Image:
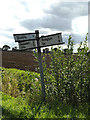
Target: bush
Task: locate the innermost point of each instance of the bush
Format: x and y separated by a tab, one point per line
20	83
67	77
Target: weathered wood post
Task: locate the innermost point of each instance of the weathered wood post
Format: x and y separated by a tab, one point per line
40	66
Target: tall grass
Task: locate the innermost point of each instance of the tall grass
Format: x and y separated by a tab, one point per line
14	108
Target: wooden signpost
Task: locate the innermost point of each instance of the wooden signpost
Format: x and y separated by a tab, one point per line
32	41
40	65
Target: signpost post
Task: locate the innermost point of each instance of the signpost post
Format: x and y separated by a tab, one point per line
40	65
32	41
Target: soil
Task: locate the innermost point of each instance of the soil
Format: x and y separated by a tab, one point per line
20	60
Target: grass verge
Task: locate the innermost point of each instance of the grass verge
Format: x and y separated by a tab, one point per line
20	108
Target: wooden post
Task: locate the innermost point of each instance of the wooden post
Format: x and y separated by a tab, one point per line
40	66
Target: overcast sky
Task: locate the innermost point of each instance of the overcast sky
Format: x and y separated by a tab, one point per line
47	16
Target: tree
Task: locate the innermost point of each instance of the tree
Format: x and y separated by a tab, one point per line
6	47
14	49
46	50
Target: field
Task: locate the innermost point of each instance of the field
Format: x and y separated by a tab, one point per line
19	60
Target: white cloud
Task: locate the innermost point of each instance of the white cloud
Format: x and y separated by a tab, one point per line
5	41
74	0
80	25
49	16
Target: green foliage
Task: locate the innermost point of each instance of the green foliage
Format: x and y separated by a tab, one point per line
20	83
67	77
19	108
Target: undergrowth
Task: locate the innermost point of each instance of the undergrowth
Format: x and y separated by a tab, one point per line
13	108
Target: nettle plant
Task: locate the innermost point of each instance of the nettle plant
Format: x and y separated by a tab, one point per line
67	77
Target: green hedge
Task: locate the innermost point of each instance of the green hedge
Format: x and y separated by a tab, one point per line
67	78
20	83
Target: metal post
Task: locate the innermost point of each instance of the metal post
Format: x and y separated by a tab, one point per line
40	66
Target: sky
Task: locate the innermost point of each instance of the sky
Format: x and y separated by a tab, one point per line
47	16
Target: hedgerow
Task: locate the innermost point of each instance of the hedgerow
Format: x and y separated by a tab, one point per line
20	83
67	77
